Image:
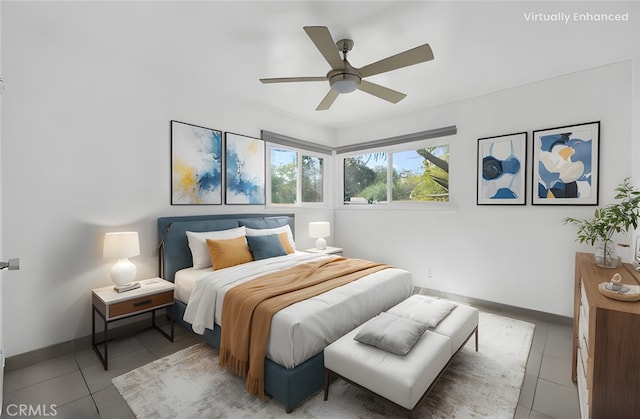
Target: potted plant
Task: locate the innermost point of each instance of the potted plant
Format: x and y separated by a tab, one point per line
614	218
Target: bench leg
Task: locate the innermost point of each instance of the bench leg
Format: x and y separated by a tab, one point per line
326	384
476	339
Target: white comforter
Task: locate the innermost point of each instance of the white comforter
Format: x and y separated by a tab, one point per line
304	329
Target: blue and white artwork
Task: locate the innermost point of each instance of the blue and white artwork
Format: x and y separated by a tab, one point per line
196	164
565	165
245	170
501	169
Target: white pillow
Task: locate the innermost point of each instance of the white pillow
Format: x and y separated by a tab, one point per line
423	309
198	244
268	231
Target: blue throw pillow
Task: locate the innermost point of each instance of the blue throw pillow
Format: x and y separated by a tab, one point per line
263	247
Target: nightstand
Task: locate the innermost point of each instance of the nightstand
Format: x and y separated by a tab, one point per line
327	251
153	294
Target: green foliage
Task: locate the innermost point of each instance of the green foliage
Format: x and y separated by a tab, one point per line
283	184
614	218
312	178
356	177
430	185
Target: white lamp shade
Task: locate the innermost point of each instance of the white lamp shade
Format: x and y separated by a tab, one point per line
121	245
319	229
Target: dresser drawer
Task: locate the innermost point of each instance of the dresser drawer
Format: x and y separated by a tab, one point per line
583	390
583	358
140	304
583	329
583	300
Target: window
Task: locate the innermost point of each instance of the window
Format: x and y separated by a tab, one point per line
421	175
365	178
284	176
312	179
398	175
296	174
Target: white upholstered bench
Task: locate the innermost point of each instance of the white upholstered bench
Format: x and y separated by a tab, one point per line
402	379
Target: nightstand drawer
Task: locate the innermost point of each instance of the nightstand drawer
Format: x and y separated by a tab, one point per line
140	304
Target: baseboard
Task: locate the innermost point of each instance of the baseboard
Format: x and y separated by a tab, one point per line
497	307
84	342
79	344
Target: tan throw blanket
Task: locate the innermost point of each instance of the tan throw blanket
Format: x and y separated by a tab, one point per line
248	308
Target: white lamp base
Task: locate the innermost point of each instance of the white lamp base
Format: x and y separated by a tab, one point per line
123	272
321	244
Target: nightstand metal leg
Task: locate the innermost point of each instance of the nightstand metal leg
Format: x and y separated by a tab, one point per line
162	332
104	358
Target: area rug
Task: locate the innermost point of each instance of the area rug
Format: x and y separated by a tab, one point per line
190	384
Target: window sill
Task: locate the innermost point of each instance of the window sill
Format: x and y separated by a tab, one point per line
441	207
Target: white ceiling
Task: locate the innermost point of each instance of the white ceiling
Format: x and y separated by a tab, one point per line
479	47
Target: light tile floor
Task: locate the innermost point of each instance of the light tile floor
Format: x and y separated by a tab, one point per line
80	387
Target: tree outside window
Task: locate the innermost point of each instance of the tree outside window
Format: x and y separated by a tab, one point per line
416	175
286	177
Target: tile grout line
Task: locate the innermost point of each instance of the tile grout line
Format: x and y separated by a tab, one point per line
84	380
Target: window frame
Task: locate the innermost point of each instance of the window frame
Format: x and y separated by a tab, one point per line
326	177
448	206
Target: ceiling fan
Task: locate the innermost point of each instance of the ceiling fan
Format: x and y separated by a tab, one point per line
344	78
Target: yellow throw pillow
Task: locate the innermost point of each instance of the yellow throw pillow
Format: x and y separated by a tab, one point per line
284	240
230	252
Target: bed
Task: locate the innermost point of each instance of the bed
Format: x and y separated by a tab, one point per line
294	365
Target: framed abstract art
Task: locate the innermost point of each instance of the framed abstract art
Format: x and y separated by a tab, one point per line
502	173
245	170
196	165
565	165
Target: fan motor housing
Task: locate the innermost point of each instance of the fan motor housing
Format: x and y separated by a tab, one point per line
345	80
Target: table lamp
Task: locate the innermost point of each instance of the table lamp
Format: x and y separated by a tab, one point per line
319	230
121	246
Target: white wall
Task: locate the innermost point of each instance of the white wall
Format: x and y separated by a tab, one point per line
518	255
1	248
635	122
85	151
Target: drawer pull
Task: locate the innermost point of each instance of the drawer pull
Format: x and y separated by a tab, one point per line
142	303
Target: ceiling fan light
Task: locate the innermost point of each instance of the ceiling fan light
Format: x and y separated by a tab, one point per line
345	83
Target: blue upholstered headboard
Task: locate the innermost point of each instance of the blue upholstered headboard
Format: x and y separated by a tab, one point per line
172	237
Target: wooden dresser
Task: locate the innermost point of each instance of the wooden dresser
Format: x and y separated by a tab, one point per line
606	344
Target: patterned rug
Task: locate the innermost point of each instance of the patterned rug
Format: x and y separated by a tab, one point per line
190	384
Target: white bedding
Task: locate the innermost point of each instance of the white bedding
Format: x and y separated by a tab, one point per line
301	330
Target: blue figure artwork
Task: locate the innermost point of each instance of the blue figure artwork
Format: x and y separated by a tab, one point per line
564	168
501	173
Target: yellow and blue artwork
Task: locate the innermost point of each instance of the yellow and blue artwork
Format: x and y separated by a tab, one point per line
566	165
196	165
245	170
502	164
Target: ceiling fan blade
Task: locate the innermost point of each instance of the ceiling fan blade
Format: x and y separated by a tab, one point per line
328	100
404	59
382	92
321	37
292	79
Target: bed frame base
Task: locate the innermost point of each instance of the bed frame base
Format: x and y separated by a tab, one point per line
289	386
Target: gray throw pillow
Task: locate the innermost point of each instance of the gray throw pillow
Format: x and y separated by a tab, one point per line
391	333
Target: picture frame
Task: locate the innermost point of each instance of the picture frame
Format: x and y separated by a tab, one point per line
245	170
196	164
502	170
565	165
